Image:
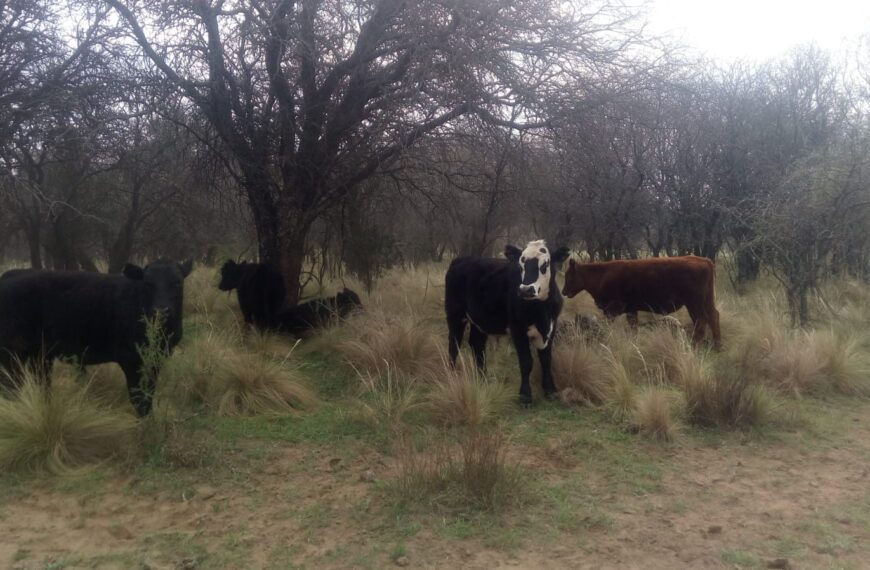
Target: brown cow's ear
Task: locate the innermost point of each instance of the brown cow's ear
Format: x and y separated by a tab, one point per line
134	272
512	252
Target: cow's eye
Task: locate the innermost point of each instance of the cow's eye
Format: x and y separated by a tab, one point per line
544	270
522	260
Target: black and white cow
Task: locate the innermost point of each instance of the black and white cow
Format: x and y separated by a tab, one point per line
516	296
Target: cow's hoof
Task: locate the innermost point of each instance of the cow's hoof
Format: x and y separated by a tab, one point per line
552	396
526	401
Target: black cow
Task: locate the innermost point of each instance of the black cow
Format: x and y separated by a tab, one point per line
260	290
516	296
316	313
93	317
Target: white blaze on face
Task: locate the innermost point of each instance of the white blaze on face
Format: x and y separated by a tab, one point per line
535	266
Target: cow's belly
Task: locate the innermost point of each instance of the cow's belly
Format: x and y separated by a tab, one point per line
659	307
488	323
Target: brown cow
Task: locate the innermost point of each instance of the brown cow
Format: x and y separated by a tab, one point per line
659	285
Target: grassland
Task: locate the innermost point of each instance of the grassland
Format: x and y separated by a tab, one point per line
360	448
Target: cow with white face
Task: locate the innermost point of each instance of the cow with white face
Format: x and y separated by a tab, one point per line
516	296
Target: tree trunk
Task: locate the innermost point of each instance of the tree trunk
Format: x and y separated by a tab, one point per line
34	244
282	244
748	266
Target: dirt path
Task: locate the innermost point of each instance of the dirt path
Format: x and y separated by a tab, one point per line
735	505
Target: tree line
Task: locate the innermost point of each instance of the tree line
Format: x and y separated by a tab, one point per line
324	136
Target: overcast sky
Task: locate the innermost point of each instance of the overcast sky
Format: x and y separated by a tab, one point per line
760	29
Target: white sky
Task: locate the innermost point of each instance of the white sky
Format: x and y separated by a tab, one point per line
760	29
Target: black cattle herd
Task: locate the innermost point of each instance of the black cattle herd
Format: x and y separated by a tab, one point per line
96	318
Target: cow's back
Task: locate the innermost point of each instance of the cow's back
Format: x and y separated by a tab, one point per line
69	313
662	285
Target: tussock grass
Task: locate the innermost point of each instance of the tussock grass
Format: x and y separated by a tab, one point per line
727	397
402	344
387	399
474	474
204	303
653	416
250	385
61	429
214	371
580	372
462	396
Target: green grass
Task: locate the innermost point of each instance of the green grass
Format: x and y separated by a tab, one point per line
740	559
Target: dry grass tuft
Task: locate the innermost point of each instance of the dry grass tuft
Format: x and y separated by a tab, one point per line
61	429
213	371
250	385
653	415
727	397
403	345
580	372
473	474
386	399
462	396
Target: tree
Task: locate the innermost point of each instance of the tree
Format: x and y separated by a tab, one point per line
312	98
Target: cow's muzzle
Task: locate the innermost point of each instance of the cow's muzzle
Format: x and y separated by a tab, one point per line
527	292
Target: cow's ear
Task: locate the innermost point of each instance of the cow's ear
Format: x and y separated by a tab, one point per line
560	255
512	252
134	272
186	267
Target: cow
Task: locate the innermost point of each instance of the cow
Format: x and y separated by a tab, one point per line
260	290
516	296
313	314
659	285
92	317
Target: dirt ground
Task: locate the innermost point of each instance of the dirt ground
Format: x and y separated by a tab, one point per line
733	502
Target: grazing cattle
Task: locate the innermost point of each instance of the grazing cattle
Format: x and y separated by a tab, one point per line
516	296
313	314
260	290
93	317
660	285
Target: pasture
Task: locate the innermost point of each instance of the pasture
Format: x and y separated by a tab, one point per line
360	448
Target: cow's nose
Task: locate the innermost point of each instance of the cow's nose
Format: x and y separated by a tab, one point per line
527	291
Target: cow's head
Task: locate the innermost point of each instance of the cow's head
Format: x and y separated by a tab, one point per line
164	289
231	275
347	301
573	280
536	266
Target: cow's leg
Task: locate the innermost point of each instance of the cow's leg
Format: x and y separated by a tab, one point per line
713	321
545	357
631	316
699	323
140	396
455	332
477	341
524	355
